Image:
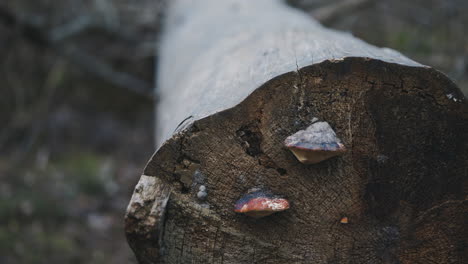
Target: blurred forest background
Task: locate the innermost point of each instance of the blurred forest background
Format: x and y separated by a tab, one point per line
76	108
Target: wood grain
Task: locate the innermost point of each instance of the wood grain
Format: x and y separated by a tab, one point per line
236	79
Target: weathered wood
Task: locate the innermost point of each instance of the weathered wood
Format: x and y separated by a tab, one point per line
216	53
238	77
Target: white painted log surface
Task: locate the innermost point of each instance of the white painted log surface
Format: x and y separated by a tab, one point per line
215	53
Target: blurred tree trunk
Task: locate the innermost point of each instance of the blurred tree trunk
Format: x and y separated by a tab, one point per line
238	77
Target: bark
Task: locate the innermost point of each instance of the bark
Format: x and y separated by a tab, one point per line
238	77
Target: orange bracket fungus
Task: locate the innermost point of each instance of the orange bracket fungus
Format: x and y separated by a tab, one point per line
259	203
316	143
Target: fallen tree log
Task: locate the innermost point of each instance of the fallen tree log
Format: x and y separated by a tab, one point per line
236	78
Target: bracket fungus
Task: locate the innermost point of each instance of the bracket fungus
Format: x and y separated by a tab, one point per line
260	203
314	144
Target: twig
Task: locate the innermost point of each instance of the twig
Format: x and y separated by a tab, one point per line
41	109
36	34
70	29
103	70
329	14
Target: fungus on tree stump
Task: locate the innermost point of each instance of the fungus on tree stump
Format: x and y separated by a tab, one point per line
314	144
235	79
259	204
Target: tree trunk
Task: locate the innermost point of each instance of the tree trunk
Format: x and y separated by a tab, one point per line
238	77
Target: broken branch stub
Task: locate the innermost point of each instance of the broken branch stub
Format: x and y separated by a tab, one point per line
235	79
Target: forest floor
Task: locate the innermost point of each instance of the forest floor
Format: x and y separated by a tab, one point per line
75	137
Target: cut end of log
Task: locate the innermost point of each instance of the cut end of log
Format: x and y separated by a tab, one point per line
316	143
385	117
